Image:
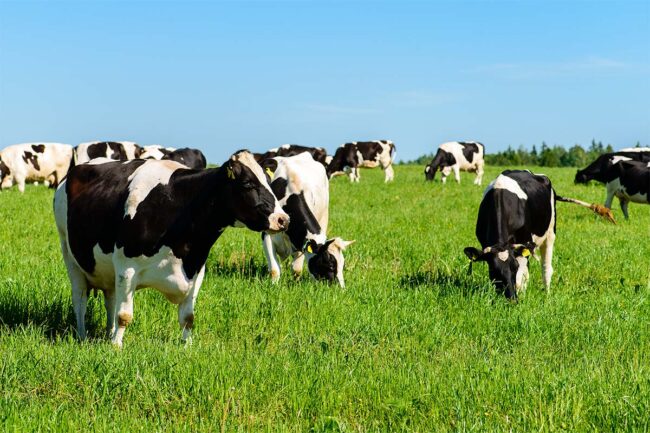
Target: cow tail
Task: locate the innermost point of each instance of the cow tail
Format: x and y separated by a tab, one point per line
393	149
599	209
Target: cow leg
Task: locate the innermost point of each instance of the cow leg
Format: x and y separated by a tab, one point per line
624	203
109	304
298	263
356	174
547	260
21	183
610	197
271	257
79	300
456	169
479	174
389	173
124	291
186	308
351	175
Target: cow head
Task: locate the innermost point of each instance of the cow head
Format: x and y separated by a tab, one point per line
251	199
581	177
325	261
507	264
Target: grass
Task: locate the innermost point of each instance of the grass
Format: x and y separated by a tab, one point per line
413	343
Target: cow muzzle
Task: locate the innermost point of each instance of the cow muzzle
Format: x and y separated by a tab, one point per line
278	222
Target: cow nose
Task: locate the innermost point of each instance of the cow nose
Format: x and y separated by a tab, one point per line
283	222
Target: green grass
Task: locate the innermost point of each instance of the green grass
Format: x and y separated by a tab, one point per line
412	344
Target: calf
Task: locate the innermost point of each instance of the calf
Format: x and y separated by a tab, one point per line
146	223
597	170
629	181
370	154
302	188
115	150
34	162
317	153
456	156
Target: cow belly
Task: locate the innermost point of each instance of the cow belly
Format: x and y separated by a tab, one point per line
634	198
103	276
369	164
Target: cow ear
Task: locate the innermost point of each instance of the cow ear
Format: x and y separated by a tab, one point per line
341	244
473	254
524	250
310	246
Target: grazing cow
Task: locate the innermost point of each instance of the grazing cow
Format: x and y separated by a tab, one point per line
34	162
517	215
597	170
630	182
317	153
302	188
146	223
370	154
192	158
155	151
115	150
456	156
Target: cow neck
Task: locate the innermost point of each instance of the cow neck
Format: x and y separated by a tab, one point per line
304	225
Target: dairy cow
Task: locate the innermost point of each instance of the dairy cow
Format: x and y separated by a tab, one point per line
597	170
350	156
629	181
456	156
115	150
517	216
302	188
317	153
146	223
34	162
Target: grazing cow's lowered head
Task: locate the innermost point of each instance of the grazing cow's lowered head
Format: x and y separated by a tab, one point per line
250	197
325	261
441	160
507	264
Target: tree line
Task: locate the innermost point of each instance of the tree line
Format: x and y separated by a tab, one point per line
546	156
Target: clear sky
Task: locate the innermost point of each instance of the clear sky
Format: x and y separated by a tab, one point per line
221	76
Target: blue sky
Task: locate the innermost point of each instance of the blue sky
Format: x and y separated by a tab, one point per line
227	75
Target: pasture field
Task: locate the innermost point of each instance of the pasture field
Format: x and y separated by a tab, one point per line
413	343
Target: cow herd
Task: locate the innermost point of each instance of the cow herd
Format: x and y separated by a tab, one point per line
131	216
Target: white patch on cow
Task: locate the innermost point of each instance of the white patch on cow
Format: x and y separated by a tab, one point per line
618	158
521	278
635	149
328	159
286	146
427	169
503	255
247	159
144	179
274	150
507	183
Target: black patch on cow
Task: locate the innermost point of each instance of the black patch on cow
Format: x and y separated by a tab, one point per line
469	149
634	176
318	153
98	150
192	158
32	159
303	220
345	156
38	148
279	187
4	170
187	215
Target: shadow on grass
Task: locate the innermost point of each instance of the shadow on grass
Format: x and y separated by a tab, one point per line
55	318
248	268
444	283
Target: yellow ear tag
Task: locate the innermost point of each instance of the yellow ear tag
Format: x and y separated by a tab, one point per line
269	172
525	252
230	173
309	250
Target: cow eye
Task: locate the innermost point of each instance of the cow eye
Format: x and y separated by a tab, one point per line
248	185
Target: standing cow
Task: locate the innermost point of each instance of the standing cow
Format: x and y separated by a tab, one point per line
597	170
629	181
317	153
517	215
115	150
34	162
146	223
370	154
302	188
456	156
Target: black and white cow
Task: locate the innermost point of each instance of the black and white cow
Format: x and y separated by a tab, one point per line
302	188
597	170
370	154
317	153
146	223
629	181
456	156
115	150
192	158
155	151
34	162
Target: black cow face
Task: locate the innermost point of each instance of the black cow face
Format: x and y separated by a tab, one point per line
507	265
325	262
581	177
253	203
429	172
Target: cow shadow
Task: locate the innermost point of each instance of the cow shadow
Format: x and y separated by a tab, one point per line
55	319
248	269
442	282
